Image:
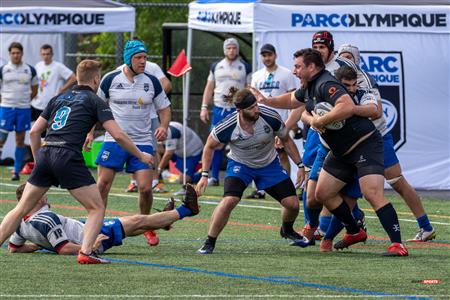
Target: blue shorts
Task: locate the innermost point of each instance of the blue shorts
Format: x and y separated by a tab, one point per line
220	113
352	189
264	177
114	230
113	156
390	158
311	146
191	163
15	119
318	163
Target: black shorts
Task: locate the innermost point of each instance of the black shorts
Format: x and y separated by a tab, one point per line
367	158
60	167
234	186
35	113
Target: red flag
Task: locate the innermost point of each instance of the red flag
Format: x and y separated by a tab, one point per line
180	66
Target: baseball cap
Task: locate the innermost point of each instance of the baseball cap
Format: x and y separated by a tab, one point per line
267	48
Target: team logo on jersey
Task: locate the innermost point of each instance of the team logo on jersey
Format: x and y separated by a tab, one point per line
387	69
105	155
266	129
236	169
146	87
119	86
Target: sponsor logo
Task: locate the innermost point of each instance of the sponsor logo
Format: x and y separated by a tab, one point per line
220	17
105	155
387	70
236	169
119	86
369	20
40	19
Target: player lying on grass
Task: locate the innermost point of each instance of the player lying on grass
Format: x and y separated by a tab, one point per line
46	229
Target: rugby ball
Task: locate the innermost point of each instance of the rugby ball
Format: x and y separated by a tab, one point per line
321	109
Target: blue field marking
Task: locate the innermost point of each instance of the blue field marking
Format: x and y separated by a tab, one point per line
265	279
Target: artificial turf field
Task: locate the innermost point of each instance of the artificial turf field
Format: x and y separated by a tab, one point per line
250	260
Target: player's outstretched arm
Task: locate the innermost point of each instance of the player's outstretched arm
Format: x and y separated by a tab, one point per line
25	248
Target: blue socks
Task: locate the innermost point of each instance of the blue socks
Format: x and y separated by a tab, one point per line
424	223
216	163
324	222
334	229
18	159
314	214
305	209
183	211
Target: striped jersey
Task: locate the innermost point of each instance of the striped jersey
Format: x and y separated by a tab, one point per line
175	138
227	75
48	230
16	82
255	150
132	103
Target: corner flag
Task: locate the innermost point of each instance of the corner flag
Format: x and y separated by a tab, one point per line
180	66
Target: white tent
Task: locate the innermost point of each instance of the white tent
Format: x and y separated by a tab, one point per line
405	45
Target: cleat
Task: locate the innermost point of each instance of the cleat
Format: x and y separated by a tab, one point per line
152	238
206	249
90	259
396	249
361	222
423	236
170	205
326	245
15	177
190	199
27	168
296	238
132	188
319	234
159	188
213	182
308	233
256	195
351	239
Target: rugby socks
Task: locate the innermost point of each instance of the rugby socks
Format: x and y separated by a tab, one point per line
334	228
183	211
424	223
356	212
288	226
18	159
305	209
211	241
314	214
389	220
342	212
216	163
324	223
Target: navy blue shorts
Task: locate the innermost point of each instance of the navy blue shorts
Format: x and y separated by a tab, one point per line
62	167
15	119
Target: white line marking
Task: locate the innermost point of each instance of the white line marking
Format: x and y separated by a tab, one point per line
304	296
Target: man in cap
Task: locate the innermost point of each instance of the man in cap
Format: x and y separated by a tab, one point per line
273	80
133	95
225	77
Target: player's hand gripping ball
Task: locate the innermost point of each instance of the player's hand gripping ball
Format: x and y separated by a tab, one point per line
321	109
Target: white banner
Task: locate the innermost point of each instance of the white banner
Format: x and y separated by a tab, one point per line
363	18
414	77
221	17
67	19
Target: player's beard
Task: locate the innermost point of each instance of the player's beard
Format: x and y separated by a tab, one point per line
249	117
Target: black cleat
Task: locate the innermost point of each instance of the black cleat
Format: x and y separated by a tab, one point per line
15	177
297	238
206	249
170	205
190	199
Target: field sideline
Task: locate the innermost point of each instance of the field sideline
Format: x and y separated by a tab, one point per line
251	261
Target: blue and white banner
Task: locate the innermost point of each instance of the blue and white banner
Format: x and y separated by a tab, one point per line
67	19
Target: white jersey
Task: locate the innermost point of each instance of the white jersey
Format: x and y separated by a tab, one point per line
275	83
175	138
48	230
255	150
155	70
132	102
16	82
51	78
226	75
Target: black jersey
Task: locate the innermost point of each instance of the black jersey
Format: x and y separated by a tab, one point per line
323	87
71	115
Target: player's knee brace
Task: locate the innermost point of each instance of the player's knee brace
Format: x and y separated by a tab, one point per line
394	180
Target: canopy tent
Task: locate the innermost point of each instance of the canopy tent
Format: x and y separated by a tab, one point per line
404	44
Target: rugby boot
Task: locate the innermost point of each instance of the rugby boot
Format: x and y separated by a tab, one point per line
152	238
326	245
396	249
296	238
308	232
423	236
191	200
351	239
90	259
207	248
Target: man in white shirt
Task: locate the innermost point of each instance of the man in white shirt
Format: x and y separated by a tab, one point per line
273	80
54	78
18	86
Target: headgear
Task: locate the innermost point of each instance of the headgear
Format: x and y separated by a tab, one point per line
353	50
230	41
325	38
132	48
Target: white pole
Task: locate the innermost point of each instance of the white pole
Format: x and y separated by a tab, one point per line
186	80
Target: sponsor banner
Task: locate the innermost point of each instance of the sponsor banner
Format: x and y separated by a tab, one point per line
221	17
67	19
379	18
387	70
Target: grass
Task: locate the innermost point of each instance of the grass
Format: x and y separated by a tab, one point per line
250	260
